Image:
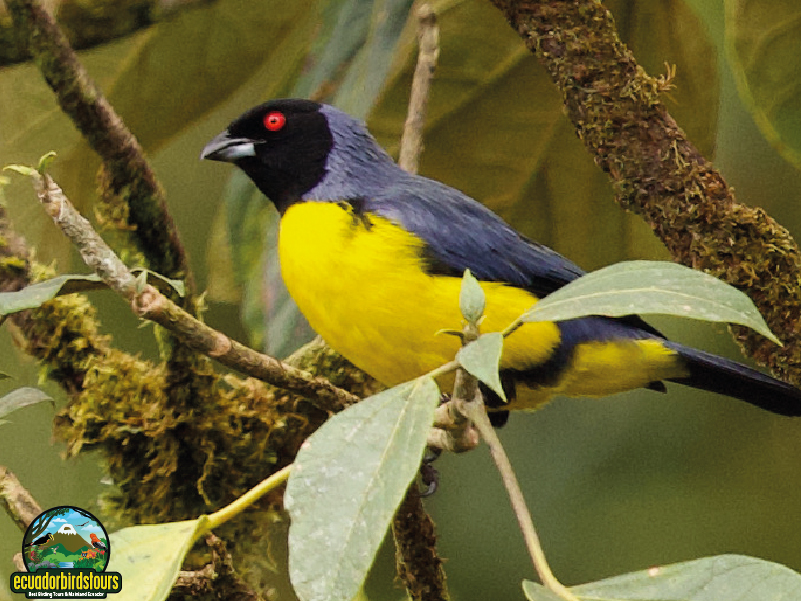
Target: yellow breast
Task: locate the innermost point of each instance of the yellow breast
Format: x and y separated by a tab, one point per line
360	282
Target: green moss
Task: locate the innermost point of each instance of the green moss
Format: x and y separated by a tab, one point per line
177	458
11	266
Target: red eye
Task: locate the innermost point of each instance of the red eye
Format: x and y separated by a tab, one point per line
274	121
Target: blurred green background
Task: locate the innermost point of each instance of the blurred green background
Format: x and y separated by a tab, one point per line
614	485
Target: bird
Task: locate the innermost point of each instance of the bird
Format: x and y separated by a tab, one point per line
96	542
42	540
373	256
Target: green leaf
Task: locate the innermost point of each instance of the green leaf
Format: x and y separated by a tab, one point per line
762	43
22	170
34	295
21	397
253	51
482	357
145	275
150	557
44	162
362	46
536	592
347	481
141	281
471	298
650	287
721	578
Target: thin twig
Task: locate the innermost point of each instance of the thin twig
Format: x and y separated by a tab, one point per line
452	430
94	251
19	504
411	146
149	303
467	401
478	415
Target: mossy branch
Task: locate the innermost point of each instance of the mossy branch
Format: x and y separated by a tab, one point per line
659	174
126	174
148	303
192	458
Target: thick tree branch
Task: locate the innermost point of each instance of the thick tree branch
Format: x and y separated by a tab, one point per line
659	174
418	564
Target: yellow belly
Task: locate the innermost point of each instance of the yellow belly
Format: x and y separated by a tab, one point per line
360	283
364	291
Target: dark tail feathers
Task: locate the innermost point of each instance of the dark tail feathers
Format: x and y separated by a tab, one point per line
716	374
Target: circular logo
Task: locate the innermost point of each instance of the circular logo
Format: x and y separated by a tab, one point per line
66	537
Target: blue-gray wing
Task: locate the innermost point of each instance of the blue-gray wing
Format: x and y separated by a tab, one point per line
461	233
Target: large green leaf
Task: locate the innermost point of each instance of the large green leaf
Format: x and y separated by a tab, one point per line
346	483
650	287
150	557
763	41
360	40
722	578
229	40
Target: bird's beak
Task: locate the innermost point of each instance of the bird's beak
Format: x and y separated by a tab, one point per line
225	148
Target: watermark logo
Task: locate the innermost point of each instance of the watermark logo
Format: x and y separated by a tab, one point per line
66	551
